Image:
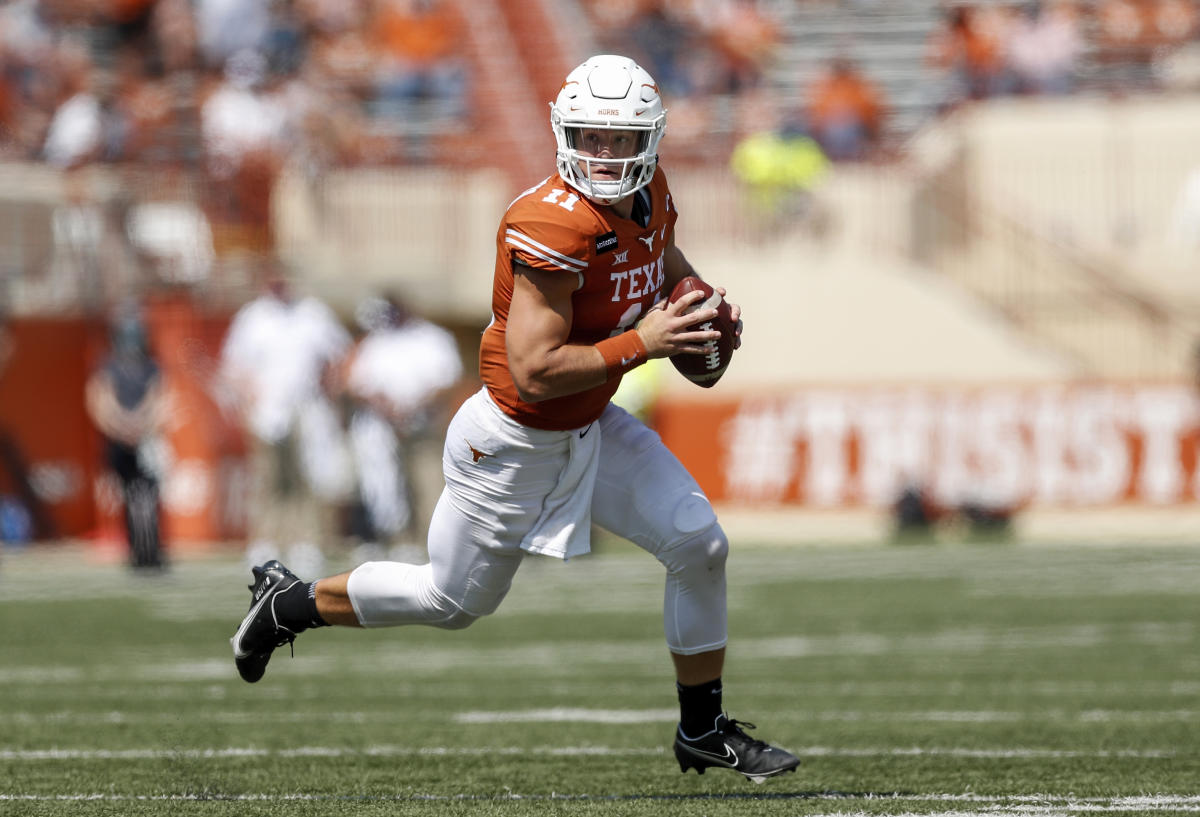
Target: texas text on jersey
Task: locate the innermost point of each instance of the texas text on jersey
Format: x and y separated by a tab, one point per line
619	266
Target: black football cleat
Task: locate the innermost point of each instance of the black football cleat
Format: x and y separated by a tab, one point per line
261	632
728	747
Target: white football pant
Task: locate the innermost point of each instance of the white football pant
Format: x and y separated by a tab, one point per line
640	492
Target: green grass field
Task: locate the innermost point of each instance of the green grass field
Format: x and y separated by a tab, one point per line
910	679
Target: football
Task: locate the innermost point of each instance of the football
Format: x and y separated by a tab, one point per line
706	370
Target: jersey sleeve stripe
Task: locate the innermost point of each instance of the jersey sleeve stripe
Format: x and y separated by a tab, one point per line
538	250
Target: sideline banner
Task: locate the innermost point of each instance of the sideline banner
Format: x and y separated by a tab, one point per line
1048	445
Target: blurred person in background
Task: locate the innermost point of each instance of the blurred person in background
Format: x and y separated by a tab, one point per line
278	363
171	235
73	270
93	264
845	112
745	40
139	109
244	130
419	56
339	44
1044	46
972	51
583	260
75	133
177	35
226	27
779	168
398	380
10	97
127	400
128	22
33	73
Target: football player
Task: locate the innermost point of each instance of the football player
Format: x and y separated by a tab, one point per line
584	260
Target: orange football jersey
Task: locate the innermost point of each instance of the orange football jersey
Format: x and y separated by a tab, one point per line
617	262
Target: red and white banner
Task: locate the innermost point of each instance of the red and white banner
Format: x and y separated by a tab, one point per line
997	446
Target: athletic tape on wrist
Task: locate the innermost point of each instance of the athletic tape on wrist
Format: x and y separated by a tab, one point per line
622	353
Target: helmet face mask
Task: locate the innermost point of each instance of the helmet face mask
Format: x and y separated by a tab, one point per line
607	93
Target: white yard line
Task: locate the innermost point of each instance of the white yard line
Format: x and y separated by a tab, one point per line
575	715
1011	805
30	682
611	716
236	752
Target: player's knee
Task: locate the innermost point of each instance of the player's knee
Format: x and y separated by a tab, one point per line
458	619
703	553
446	613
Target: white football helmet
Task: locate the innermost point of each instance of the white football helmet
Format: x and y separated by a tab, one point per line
612	93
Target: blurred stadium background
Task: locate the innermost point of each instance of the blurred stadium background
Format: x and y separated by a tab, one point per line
981	310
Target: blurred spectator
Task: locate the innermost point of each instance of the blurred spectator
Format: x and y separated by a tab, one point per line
780	167
744	40
9	97
174	238
420	59
75	134
177	35
323	126
226	27
122	79
332	15
1043	48
666	45
284	45
1178	68
1120	22
339	46
244	128
30	66
127	400
845	112
73	273
240	119
279	359
93	264
972	51
398	380
130	112
129	24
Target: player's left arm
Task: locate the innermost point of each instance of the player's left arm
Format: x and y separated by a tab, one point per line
676	267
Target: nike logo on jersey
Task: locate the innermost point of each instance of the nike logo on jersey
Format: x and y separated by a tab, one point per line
476	454
583	433
648	240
